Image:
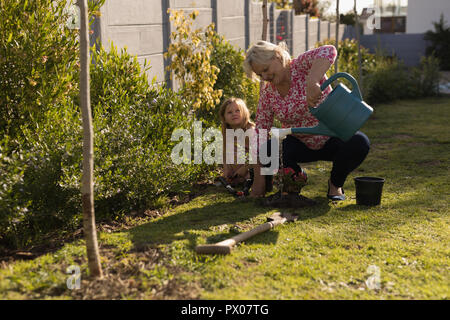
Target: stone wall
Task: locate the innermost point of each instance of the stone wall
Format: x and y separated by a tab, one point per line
143	27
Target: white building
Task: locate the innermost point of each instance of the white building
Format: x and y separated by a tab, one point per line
422	14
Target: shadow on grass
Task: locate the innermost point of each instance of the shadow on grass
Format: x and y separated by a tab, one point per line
356	207
217	217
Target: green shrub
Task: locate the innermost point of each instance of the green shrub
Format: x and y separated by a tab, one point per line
392	80
348	58
388	81
40	124
133	123
232	79
439	42
386	78
426	77
41	169
12	208
38	59
39	119
190	54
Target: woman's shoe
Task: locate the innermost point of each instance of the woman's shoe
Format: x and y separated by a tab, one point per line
335	198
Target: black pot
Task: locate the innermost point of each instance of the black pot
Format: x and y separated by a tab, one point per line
368	190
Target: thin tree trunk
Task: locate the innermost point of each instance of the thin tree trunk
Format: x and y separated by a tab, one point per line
87	188
265	20
297	7
336	69
359	47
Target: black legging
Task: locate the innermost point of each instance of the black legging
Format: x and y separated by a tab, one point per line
346	156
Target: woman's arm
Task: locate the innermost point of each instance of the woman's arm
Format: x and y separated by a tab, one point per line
263	120
264	114
315	64
318	69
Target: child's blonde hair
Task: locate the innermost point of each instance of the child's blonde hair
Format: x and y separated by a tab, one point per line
247	123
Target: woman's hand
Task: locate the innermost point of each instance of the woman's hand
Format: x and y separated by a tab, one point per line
316	73
313	93
259	183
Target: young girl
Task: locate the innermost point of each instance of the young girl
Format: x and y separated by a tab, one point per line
234	114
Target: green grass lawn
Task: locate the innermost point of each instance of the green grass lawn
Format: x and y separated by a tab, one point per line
331	252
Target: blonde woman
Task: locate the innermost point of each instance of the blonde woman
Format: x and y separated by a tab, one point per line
288	88
234	114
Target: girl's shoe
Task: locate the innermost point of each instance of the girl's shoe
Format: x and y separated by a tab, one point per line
335	198
301	176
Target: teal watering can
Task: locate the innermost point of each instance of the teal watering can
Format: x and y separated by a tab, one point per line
341	114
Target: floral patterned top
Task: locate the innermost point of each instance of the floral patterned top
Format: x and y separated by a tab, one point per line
292	110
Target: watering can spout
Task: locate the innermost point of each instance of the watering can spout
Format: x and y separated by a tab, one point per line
320	129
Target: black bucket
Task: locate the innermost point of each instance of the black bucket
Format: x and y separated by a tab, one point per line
368	190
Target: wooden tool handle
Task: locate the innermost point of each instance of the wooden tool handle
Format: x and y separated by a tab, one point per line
224	247
213	249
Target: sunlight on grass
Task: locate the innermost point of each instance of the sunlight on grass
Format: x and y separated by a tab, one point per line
326	254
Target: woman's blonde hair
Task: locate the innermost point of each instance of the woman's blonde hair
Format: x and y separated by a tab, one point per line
262	52
246	121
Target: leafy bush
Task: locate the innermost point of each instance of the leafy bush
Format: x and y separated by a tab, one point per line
39	119
232	79
41	169
190	55
392	80
134	122
386	78
38	56
440	42
12	209
426	77
208	68
41	144
387	82
348	58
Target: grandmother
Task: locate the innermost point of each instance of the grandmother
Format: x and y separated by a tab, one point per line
288	88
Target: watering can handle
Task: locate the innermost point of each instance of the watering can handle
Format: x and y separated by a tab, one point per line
356	92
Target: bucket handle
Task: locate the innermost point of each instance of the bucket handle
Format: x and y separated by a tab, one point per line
356	92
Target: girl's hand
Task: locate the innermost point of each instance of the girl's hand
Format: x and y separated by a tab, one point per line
241	172
227	172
